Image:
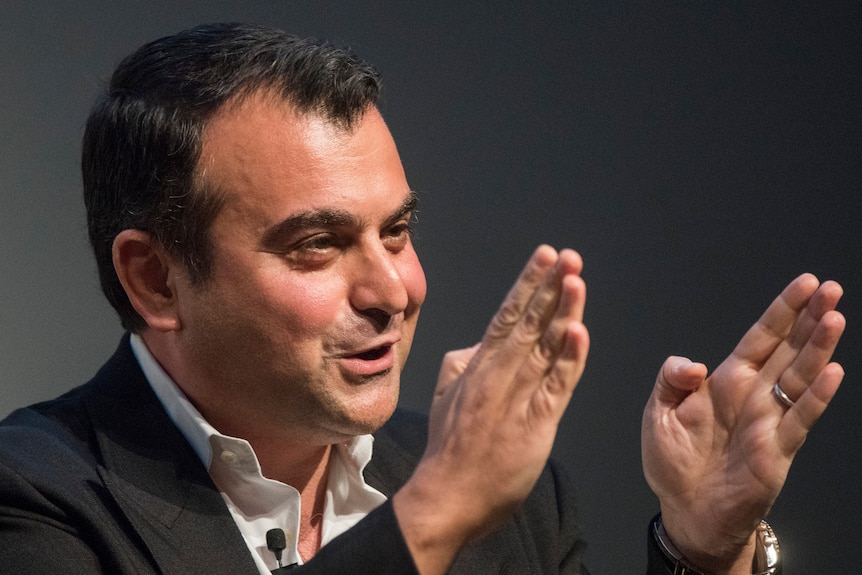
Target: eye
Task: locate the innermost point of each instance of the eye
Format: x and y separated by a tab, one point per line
314	251
398	235
317	242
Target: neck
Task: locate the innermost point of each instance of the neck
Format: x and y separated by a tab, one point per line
309	476
313	497
304	467
306	470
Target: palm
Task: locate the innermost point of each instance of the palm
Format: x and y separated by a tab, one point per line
720	441
717	450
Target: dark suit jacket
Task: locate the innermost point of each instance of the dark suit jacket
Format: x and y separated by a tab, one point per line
100	480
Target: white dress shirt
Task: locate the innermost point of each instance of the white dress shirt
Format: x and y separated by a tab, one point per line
257	503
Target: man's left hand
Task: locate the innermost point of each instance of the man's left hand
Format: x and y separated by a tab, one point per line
717	449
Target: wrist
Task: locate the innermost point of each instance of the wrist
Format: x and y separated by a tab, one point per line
432	535
763	560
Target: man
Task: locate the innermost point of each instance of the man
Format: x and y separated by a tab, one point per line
251	223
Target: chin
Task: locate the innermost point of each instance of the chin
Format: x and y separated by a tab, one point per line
362	420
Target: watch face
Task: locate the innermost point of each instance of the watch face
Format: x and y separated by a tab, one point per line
767	549
766	554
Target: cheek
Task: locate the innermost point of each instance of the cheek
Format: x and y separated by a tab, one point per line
413	277
309	307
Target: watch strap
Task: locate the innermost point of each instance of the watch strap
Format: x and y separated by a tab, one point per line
766	558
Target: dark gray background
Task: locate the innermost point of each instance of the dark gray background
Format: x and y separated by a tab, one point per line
698	154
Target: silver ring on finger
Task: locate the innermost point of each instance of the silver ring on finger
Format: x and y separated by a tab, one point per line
782	397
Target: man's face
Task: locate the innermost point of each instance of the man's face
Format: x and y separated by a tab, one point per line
310	311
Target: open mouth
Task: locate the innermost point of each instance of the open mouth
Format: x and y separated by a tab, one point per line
373	354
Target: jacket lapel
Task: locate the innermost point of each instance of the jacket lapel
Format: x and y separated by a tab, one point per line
157	479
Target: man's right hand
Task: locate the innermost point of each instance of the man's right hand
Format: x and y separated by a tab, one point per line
495	413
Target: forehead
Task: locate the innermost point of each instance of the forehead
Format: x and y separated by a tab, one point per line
269	161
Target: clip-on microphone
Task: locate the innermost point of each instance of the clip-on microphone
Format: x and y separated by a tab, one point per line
276	543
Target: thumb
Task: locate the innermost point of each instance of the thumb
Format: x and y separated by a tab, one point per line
454	364
678	377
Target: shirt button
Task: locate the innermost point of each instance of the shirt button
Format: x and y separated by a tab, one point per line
228	457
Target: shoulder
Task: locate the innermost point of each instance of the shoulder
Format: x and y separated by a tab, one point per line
54	439
47	448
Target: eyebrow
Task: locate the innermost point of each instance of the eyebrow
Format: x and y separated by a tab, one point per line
329	217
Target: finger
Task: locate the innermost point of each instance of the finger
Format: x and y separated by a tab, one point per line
677	379
764	337
572	265
512	309
802	416
813	357
556	361
548	404
453	365
534	338
809	320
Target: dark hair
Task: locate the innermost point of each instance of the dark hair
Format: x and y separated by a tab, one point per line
143	137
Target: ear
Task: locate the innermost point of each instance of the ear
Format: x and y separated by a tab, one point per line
147	273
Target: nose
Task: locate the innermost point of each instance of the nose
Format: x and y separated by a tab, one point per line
378	290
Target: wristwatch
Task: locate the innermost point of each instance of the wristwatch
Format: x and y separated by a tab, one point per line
766	556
